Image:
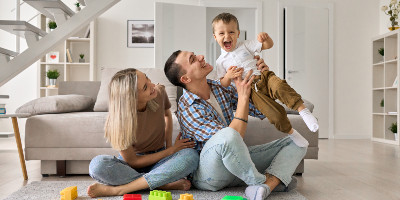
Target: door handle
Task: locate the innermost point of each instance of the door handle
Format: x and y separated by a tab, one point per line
292	71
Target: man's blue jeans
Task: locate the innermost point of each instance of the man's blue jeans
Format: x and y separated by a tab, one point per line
226	161
114	171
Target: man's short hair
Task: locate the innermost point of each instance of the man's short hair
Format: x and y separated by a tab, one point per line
226	18
173	71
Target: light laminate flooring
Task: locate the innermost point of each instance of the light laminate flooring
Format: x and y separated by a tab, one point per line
346	169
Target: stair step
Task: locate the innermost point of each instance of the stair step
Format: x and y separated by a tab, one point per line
8	53
20	27
43	6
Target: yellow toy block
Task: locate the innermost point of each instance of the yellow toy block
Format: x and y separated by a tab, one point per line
186	197
69	193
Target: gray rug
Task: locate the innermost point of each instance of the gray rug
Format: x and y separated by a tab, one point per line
50	190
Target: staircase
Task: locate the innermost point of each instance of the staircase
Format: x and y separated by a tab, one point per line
39	42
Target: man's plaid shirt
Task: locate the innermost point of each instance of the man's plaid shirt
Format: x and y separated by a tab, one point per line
200	121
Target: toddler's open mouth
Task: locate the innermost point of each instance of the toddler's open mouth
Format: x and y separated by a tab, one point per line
228	45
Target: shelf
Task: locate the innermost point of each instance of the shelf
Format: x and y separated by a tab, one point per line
378	64
379	113
391	88
48	63
48	88
394	61
78	63
378	88
78	39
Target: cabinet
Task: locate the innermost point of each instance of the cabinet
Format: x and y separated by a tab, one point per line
70	70
385	92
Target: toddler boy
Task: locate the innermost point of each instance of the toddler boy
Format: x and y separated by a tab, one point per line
237	58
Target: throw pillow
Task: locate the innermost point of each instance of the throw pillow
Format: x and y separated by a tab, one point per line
56	104
155	75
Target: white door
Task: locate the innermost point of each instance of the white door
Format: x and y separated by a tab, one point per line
178	27
306	61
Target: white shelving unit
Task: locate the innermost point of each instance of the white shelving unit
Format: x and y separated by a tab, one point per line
69	71
385	69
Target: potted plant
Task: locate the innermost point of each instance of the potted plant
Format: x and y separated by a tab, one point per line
382	103
52	75
382	52
393	128
81	60
52	25
78	7
393	11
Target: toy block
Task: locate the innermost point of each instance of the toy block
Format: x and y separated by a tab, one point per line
233	198
160	195
132	197
69	193
186	197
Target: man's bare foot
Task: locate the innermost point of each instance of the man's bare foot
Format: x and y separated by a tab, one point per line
100	190
181	184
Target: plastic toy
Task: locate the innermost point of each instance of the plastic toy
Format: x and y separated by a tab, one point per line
160	195
233	198
132	197
69	193
186	197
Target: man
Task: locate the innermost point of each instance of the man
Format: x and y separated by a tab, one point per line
205	113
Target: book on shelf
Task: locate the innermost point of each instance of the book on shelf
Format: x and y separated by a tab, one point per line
69	58
396	82
392	113
87	32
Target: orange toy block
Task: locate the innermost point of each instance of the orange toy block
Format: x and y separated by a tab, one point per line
186	197
69	193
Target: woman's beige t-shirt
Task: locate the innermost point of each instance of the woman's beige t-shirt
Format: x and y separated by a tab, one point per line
151	125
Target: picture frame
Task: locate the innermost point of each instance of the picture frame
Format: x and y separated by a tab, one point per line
140	33
53	57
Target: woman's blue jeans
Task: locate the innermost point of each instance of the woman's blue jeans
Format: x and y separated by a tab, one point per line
114	171
226	161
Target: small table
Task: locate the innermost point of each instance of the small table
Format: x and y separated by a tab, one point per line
18	138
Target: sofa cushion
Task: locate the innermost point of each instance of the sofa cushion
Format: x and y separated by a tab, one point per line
56	104
154	74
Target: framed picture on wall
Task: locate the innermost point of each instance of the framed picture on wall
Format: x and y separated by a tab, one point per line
141	33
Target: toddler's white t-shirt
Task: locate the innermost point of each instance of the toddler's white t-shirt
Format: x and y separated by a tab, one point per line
242	56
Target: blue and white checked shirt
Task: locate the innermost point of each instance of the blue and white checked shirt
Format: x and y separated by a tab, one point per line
200	121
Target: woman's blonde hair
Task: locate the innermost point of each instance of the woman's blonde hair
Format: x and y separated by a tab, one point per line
121	123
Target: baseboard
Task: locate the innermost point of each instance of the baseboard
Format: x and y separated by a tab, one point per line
355	137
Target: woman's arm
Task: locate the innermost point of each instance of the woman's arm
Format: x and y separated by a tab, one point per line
138	161
168	128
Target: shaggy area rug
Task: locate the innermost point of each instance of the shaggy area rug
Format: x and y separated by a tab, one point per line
50	190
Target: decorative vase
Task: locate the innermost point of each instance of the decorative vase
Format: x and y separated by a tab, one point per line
77	9
52	82
81	60
393	25
396	136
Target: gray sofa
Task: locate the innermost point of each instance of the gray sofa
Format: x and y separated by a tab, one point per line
66	142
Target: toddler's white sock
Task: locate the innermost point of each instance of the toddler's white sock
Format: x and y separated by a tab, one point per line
309	119
298	139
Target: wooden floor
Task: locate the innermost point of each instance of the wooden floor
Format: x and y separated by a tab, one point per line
346	169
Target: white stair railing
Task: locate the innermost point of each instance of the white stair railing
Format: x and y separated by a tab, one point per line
38	48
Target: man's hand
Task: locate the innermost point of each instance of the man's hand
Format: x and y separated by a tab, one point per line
261	64
243	86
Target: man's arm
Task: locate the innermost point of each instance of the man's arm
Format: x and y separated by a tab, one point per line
243	88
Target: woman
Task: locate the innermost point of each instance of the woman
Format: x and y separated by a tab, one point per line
139	126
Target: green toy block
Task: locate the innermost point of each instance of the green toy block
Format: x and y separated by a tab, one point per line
160	195
233	198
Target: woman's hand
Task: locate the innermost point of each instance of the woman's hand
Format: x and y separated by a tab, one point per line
181	144
261	64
